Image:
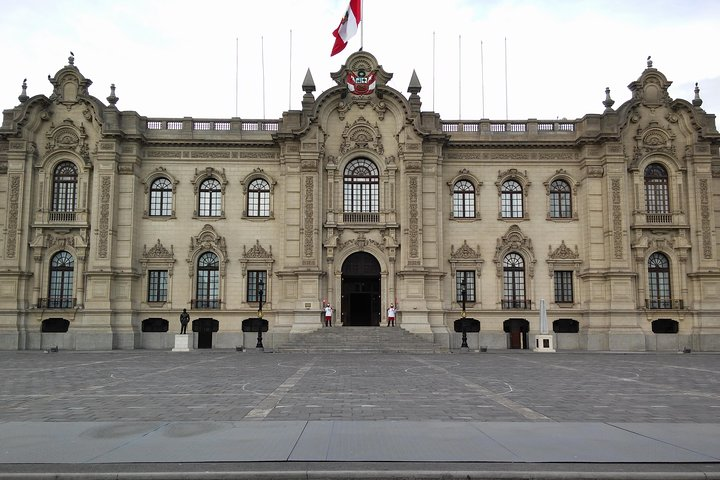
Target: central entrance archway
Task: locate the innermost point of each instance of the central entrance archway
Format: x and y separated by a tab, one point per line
360	290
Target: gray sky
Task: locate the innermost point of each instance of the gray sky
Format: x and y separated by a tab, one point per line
175	58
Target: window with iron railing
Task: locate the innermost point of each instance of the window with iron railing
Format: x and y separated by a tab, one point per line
60	289
514	282
64	193
361	196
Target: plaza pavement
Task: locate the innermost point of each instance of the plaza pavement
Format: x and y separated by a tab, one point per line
226	414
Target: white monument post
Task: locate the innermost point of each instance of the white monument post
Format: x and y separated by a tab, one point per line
543	341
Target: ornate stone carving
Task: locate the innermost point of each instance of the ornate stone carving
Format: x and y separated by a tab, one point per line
257	251
514	240
158	257
413	166
211	154
595	172
413	220
158	251
70	138
308	223
705	218
104	220
13	211
563	252
164	154
360	242
465	252
207	239
362	135
617	218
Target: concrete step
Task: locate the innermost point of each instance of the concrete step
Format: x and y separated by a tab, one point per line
359	340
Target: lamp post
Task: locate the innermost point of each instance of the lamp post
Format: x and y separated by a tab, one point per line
463	294
260	287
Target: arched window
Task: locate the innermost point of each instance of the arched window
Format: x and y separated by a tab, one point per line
60	291
511	201
208	281
161	198
513	281
361	186
560	199
210	198
463	199
258	198
657	198
64	195
659	281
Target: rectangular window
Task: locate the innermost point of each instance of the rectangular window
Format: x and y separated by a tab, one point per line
157	285
469	277
253	285
563	286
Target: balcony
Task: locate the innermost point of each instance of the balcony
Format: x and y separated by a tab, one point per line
664	304
662	218
56	302
361	217
516	304
205	304
77	218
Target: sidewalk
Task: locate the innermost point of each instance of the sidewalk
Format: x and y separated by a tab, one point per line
405	449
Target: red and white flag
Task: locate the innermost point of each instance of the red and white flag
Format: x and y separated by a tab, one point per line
348	27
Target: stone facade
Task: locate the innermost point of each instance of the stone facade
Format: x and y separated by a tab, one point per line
115	222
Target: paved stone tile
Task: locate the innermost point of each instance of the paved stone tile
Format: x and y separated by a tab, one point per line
230	386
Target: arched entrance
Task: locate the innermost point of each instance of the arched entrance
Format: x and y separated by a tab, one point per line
517	330
360	290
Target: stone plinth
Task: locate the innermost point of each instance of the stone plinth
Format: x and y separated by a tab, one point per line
183	343
544	343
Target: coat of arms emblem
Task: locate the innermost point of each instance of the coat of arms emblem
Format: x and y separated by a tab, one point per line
361	82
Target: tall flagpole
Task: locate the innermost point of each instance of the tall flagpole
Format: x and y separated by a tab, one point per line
506	83
482	79
262	58
459	77
290	75
433	76
236	75
362	24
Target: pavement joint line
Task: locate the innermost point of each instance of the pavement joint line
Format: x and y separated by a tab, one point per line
266	405
637	380
526	412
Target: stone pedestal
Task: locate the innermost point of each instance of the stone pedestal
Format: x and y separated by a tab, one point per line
183	343
544	343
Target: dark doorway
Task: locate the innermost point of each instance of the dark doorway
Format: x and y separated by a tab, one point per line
517	330
360	290
205	327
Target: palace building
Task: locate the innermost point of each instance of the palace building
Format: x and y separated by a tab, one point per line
113	222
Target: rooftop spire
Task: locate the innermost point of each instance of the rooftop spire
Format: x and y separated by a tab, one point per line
23	96
608	102
697	101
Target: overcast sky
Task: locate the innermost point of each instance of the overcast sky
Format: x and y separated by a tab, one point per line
175	58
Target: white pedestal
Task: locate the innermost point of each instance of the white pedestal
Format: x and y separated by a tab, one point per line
183	343
544	343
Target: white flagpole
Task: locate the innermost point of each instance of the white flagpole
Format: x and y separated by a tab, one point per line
362	24
236	75
459	77
262	59
433	75
482	79
506	82
290	75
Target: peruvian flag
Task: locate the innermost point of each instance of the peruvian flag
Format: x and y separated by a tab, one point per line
348	27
